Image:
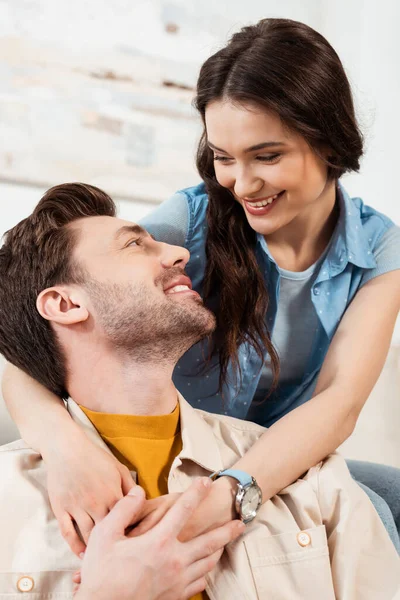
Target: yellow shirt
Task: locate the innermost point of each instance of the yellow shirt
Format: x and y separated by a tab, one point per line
145	444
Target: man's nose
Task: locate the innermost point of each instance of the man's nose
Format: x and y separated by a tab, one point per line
174	256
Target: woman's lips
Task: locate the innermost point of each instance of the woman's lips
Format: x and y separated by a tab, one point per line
263	210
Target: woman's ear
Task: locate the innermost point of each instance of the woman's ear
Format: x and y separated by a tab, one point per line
62	305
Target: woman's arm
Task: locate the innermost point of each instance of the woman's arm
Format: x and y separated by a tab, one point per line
79	491
351	368
308	434
35	410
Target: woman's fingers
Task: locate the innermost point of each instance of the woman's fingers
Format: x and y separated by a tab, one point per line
158	508
70	535
127	482
180	512
85	524
212	541
124	513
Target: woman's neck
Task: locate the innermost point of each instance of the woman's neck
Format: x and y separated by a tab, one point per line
299	244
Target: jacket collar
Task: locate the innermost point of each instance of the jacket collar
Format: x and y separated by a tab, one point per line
199	444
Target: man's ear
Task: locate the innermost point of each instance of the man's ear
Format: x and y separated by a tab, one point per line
62	305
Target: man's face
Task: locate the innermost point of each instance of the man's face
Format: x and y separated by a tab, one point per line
137	292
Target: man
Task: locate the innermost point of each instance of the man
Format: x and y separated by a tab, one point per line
93	307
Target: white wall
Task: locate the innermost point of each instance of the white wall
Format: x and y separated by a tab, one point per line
100	91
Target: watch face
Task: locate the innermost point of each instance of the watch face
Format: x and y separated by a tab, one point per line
250	502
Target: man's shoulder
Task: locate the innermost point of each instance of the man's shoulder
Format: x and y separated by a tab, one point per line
17	445
15	450
223	427
19	464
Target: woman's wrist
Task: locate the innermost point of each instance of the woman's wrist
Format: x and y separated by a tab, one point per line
225	489
68	437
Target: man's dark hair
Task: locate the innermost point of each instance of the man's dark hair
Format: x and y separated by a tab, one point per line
37	254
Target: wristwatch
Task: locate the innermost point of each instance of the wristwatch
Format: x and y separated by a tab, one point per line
248	496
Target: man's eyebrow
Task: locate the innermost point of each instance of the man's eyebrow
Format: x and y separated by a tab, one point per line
132	229
261	146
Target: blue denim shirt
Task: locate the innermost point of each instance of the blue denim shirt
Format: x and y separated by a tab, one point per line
350	253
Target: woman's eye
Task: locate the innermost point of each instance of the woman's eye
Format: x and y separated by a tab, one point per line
222	158
270	158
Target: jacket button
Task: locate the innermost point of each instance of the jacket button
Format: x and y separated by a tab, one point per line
303	539
25	584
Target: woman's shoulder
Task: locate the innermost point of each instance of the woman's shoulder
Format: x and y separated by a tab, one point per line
362	221
196	198
386	253
382	237
174	220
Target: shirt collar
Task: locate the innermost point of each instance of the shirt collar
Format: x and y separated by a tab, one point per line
349	242
198	441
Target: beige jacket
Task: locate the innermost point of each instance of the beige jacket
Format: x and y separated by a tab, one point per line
319	539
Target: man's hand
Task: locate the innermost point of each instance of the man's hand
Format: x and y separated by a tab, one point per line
215	510
155	565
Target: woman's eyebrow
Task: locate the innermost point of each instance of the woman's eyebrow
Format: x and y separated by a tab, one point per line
260	146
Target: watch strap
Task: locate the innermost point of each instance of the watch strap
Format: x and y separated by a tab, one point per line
241	476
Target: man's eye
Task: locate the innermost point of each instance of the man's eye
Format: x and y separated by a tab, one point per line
135	242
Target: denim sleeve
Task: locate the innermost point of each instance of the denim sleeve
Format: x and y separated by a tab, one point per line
386	254
169	221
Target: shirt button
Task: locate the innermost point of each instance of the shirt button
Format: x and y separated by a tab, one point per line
25	584
303	539
317	291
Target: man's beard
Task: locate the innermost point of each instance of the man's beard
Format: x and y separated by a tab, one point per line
148	329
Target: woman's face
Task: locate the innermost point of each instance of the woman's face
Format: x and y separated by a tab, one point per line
271	171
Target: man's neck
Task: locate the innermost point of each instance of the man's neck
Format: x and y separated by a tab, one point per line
111	385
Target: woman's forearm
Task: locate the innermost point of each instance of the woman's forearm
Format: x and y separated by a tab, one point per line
298	441
36	411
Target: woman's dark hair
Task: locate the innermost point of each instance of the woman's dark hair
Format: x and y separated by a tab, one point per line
286	67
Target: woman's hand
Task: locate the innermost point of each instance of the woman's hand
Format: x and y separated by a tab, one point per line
84	483
215	510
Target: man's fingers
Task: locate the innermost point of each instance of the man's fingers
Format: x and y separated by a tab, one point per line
182	510
200	568
70	535
195	588
212	541
125	512
147	523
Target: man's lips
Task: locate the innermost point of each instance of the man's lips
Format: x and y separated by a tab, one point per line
179	285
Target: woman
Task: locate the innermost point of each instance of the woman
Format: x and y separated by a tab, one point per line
304	281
